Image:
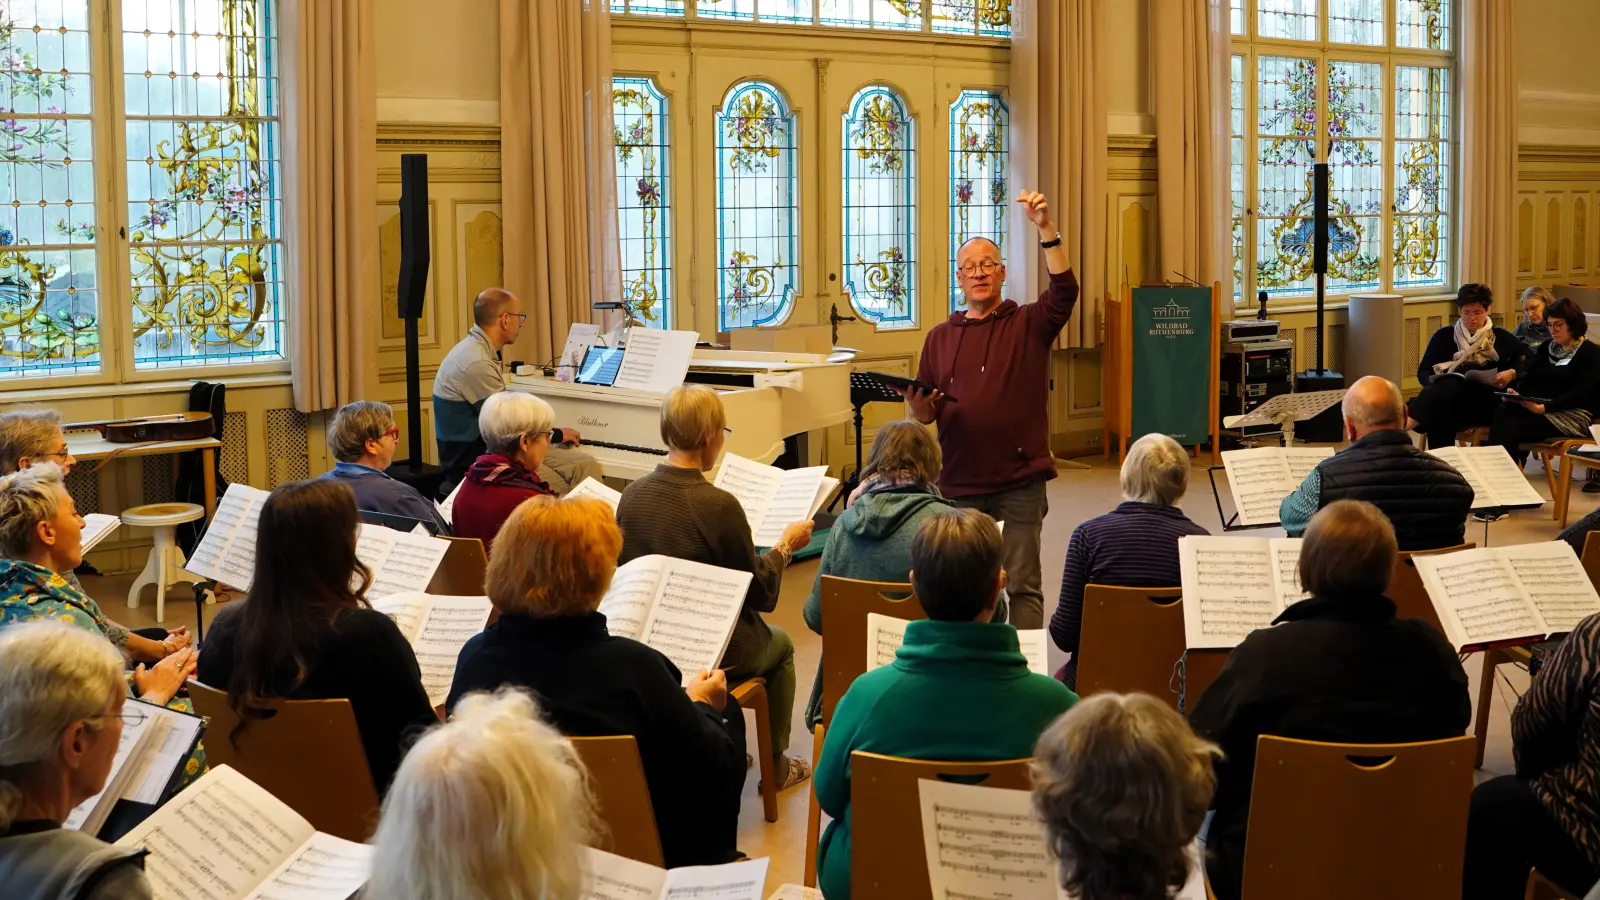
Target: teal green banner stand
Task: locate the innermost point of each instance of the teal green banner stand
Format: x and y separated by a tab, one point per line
1171	343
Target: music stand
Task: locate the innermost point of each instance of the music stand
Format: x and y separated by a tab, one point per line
1283	411
865	387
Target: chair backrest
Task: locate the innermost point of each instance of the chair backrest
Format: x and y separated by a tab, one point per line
621	797
1541	888
307	753
1200	668
1591	556
462	571
887	858
1406	590
845	605
1334	821
1131	639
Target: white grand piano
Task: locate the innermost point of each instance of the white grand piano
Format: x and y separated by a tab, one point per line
769	396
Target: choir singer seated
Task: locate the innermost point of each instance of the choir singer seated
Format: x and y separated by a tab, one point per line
363	438
1561	387
1533	330
516	429
1423	496
1462	368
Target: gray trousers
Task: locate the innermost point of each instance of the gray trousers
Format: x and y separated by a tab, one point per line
1023	510
564	468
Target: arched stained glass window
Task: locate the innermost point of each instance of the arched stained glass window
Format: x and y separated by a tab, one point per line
978	188
643	203
757	207
880	211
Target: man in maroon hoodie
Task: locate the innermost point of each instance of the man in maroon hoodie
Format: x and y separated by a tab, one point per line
994	361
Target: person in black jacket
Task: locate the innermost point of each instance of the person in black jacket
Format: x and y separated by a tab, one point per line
1338	667
1462	368
552	563
1561	383
307	634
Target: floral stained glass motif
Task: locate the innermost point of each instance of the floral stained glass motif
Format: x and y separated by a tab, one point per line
648	7
1423	23
204	201
988	18
757	207
1286	109
49	307
979	192
880	210
902	15
639	112
1422	176
1294	20
1236	173
1356	22
1355	157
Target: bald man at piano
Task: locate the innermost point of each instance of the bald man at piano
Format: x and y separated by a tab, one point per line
468	375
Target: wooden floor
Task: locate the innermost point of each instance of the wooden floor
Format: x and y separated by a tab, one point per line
1074	496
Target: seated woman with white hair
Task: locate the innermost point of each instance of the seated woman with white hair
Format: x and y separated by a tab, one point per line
516	430
61	715
491	804
1134	545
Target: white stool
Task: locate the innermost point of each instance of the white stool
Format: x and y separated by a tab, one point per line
166	558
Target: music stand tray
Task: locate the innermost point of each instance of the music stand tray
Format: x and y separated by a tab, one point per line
1286	409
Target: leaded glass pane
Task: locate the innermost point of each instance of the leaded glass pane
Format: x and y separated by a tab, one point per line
1423	23
1292	19
726	9
991	18
791	12
897	14
49	297
1236	16
979	192
1236	175
1422	176
757	215
639	112
1356	22
1355	157
880	217
1286	111
204	201
648	7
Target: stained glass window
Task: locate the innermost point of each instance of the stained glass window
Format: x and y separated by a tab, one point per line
1286	127
1295	20
897	14
1423	23
880	215
785	11
648	7
979	192
1355	157
757	211
990	18
1356	22
1423	176
1236	172
639	111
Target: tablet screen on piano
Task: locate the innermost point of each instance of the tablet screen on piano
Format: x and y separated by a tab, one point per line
600	366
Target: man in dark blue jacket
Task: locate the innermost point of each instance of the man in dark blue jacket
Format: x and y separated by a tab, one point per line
363	438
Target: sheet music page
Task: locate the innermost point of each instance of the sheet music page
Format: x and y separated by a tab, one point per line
1229	589
1478	597
218	839
983	843
733	881
446	627
754	485
1035	645
579	338
96	527
656	360
227	551
1500	474
208	553
695	610
448	507
1259	479
324	868
132	743
589	487
1482	495
1286	571
238	564
1301	460
795	892
614	877
1554	579
410	563
173	734
885	634
373	545
794	501
627	602
405	609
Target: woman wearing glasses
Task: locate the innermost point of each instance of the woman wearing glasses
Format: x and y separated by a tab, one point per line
61	715
516	431
363	438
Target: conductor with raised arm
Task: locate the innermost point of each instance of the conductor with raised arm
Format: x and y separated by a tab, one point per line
989	368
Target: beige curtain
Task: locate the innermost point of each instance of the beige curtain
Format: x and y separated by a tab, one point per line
558	182
1489	147
1190	46
1058	130
330	127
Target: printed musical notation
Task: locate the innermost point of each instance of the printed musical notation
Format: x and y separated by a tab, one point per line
614	877
684	609
437	627
1235	585
1496	480
227	551
983	843
1260	478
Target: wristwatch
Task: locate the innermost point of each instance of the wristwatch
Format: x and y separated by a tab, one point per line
1053	242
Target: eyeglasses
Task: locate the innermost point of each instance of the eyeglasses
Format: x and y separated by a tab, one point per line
63	453
392	432
131	715
987	267
521	318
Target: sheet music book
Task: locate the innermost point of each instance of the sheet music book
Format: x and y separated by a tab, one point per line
773	498
1259	479
1494	478
984	843
89	815
437	627
656	360
684	609
885	634
1494	594
448	507
158	766
579	338
227	552
226	838
400	561
592	487
616	877
96	527
1235	585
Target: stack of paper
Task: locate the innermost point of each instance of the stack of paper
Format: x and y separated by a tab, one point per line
437	627
684	609
1494	478
773	498
885	634
1259	479
1499	594
1235	585
89	815
655	360
96	527
619	878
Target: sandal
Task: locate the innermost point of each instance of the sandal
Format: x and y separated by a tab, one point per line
799	770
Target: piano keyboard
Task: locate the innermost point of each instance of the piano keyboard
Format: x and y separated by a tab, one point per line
628	448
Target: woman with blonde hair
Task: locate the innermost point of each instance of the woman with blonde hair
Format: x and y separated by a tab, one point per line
1533	330
1122	785
492	804
555	562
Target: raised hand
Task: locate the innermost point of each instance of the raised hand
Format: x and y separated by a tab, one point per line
1037	209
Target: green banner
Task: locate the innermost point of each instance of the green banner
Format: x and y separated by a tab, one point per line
1172	362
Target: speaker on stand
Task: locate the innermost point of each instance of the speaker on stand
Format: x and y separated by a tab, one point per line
413	285
1328	426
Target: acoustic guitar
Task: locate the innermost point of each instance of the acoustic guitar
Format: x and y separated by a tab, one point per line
185	426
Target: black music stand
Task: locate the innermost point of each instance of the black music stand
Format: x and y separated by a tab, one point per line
865	387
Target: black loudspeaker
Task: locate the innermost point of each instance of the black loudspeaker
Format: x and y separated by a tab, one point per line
1319	218
414	251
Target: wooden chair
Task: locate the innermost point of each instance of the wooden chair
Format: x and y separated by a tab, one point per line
1549	452
1406	590
1200	668
887	858
621	797
845	605
1541	888
463	569
1335	821
1590	557
1472	437
1131	639
752	695
307	753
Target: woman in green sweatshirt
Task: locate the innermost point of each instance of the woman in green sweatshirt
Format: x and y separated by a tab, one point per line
958	690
